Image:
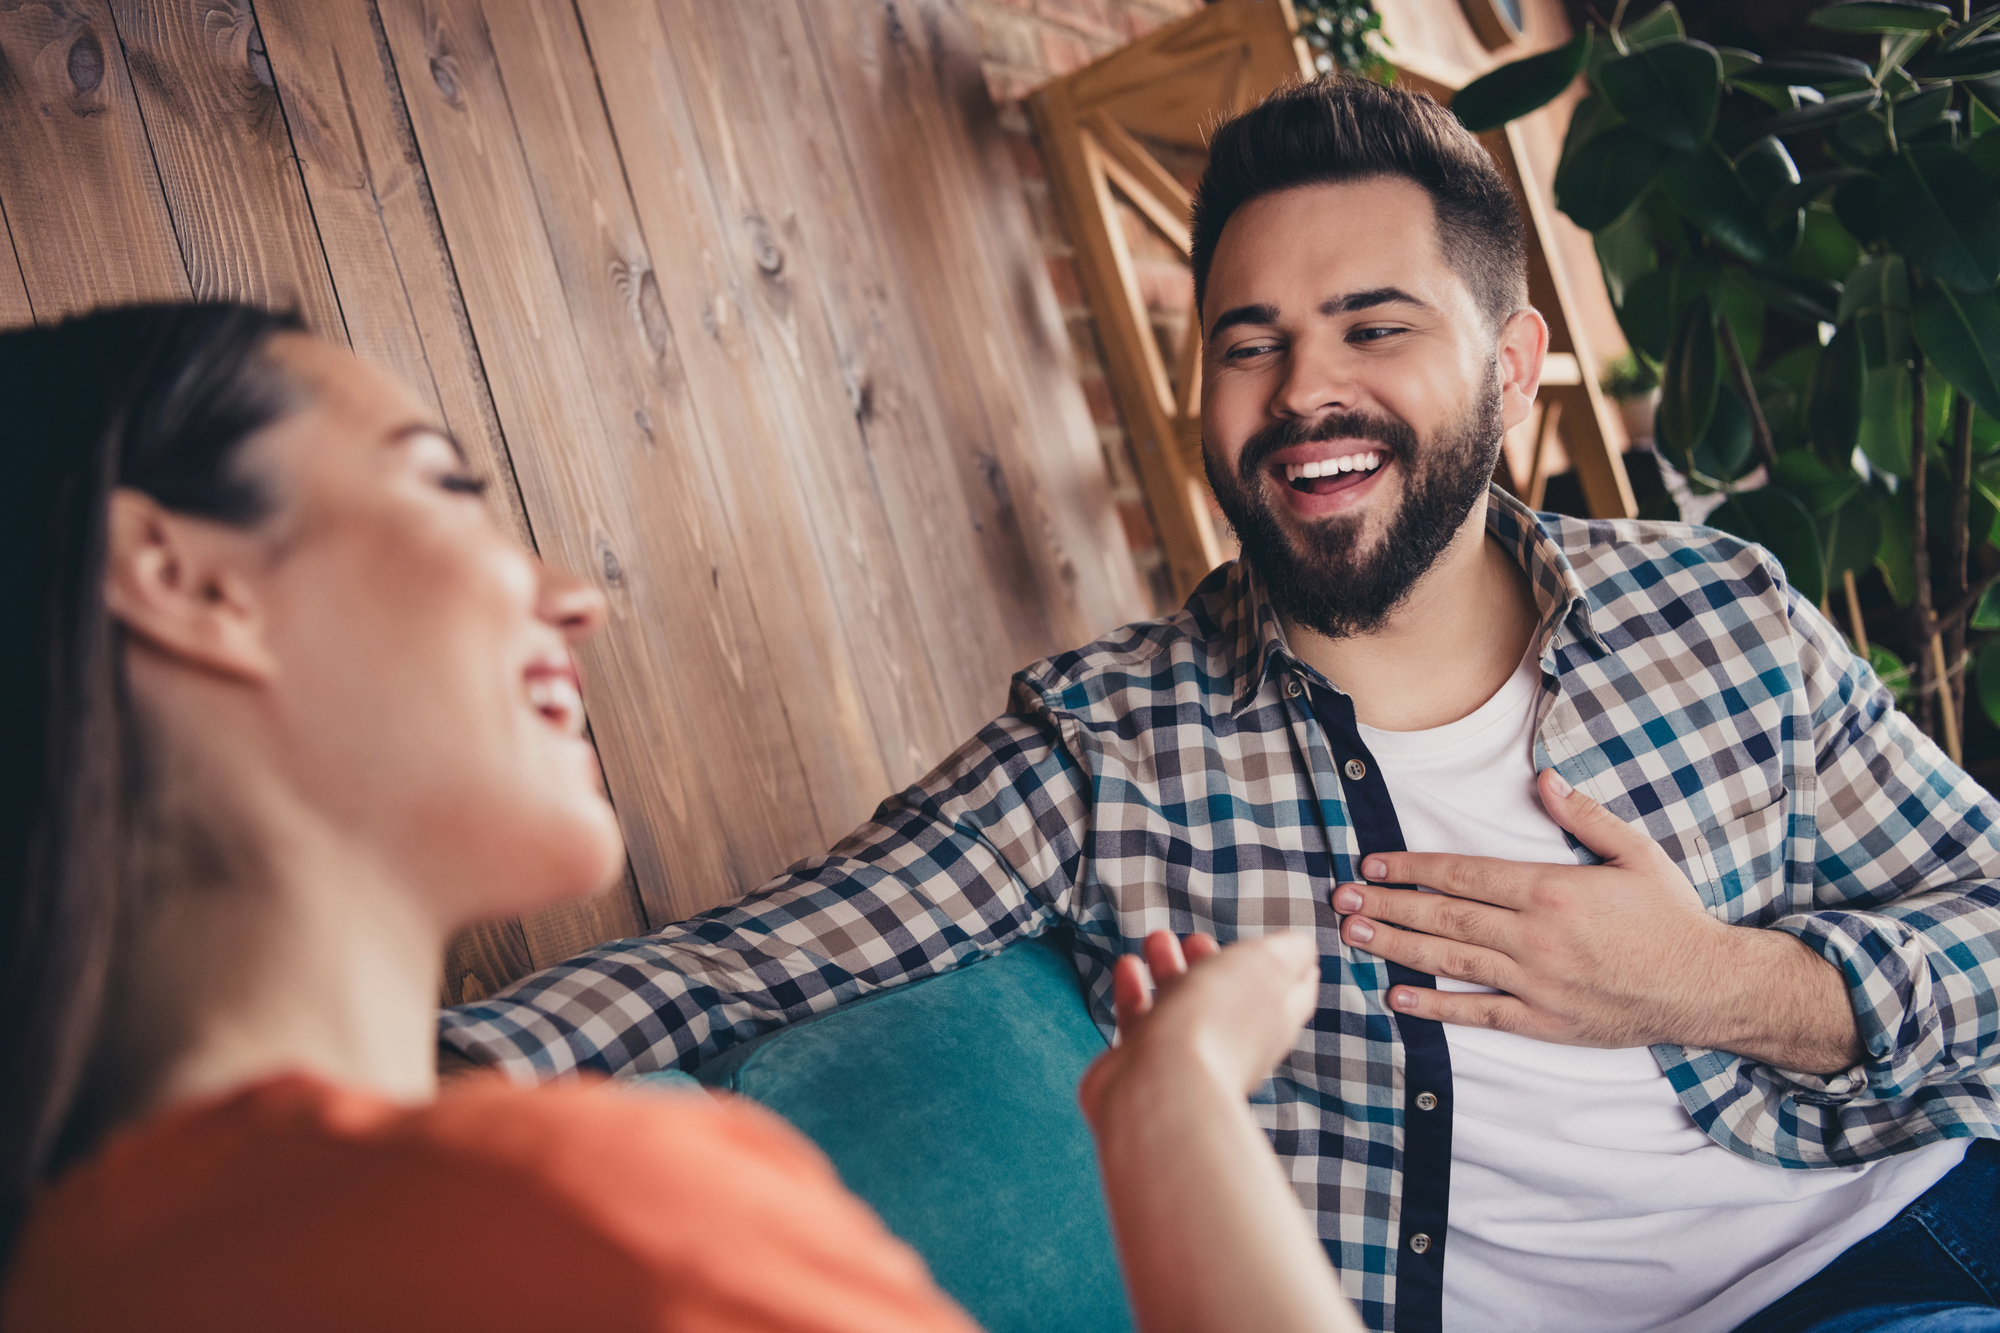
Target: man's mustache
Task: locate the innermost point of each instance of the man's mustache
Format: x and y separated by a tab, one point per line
1391	432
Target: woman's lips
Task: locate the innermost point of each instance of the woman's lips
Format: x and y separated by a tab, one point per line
553	692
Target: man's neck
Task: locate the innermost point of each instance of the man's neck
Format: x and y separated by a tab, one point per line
1446	650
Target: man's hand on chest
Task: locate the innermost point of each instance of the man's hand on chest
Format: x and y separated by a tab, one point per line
1613	955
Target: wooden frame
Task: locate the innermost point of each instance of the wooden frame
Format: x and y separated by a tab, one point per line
1171	87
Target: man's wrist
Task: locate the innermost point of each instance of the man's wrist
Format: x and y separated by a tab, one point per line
1776	1001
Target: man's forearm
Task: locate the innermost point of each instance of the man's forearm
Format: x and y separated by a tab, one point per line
1778	1002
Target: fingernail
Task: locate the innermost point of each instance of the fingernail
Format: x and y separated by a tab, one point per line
1402	999
1360	931
1347	898
1375	868
1558	783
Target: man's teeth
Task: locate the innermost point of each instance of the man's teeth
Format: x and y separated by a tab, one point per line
556	699
1326	467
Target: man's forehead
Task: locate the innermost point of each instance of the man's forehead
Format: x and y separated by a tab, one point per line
1330	248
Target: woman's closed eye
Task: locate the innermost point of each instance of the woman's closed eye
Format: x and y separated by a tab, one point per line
464	483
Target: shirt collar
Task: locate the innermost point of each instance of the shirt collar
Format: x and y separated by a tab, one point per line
1249	628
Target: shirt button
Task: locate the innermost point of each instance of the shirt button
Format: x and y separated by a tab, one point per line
1356	769
1419	1243
1293	689
1427	1101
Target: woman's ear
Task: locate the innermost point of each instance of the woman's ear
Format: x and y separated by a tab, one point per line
181	585
1524	345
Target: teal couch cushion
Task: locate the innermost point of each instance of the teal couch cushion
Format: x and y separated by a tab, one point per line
950	1106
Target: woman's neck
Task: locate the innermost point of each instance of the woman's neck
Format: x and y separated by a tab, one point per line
286	949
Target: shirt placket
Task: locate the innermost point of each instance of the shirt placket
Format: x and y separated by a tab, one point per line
1427	1084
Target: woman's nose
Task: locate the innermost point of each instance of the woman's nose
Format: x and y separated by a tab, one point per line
570	604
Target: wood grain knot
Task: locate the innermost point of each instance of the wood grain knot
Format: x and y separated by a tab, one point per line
614	569
86	62
653	315
763	248
444	73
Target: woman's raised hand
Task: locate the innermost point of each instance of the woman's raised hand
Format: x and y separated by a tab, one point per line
1195	1009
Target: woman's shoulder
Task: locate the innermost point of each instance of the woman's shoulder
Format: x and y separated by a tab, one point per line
529	1207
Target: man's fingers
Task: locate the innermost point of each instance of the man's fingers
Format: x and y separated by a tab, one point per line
1486	878
1499	1013
1616	841
1462	919
1431	954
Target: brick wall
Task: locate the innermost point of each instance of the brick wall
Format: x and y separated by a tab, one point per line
1023	44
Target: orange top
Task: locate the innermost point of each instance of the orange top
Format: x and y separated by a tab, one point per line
298	1205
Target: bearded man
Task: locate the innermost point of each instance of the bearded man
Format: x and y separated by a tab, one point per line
1658	949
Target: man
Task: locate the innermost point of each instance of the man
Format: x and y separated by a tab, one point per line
1553	1095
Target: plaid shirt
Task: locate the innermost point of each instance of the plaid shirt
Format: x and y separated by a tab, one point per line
1181	774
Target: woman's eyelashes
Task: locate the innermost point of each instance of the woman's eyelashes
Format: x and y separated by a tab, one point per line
463	483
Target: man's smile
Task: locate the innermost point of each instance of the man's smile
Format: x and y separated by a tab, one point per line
1326	476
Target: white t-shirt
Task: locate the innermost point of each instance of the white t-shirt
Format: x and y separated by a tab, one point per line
1583	1196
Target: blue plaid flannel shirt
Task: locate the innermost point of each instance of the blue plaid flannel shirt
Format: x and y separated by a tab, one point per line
1178	775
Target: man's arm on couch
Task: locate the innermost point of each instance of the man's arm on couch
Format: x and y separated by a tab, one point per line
986	849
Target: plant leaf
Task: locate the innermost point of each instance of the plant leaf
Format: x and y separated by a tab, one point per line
1603	178
1626	253
1851	537
1893	556
1811	299
1827	251
1515	89
1941	212
1687	388
1816	115
1885	419
1663	24
1969	61
1735	60
1960	335
1656	301
1987	614
1669	91
1806	69
1881	16
1776	521
1833	413
1967	31
1707	190
1988	678
1914	115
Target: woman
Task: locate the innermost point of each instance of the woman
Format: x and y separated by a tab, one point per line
285	710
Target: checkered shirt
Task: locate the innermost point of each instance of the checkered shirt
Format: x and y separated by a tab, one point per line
1172	776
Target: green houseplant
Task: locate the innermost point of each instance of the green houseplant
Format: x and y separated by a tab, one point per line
1804	246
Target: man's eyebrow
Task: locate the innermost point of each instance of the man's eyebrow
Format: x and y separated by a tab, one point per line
1352	301
404	432
1243	314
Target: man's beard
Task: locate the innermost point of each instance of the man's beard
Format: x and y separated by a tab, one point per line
1322	581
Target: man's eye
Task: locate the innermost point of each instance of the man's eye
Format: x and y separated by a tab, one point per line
1249	350
463	483
1375	333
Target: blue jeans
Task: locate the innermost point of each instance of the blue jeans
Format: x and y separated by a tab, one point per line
1935	1268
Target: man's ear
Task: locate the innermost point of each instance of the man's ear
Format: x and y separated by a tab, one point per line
1524	344
179	585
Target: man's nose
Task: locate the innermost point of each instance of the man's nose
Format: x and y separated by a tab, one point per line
1316	380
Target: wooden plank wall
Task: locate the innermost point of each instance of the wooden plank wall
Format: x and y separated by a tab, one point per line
738	303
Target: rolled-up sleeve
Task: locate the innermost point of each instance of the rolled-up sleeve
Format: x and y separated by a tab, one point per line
984	850
1906	885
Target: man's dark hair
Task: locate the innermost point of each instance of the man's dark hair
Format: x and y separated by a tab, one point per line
1344	128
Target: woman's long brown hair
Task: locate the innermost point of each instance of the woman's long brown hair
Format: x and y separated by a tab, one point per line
159	398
